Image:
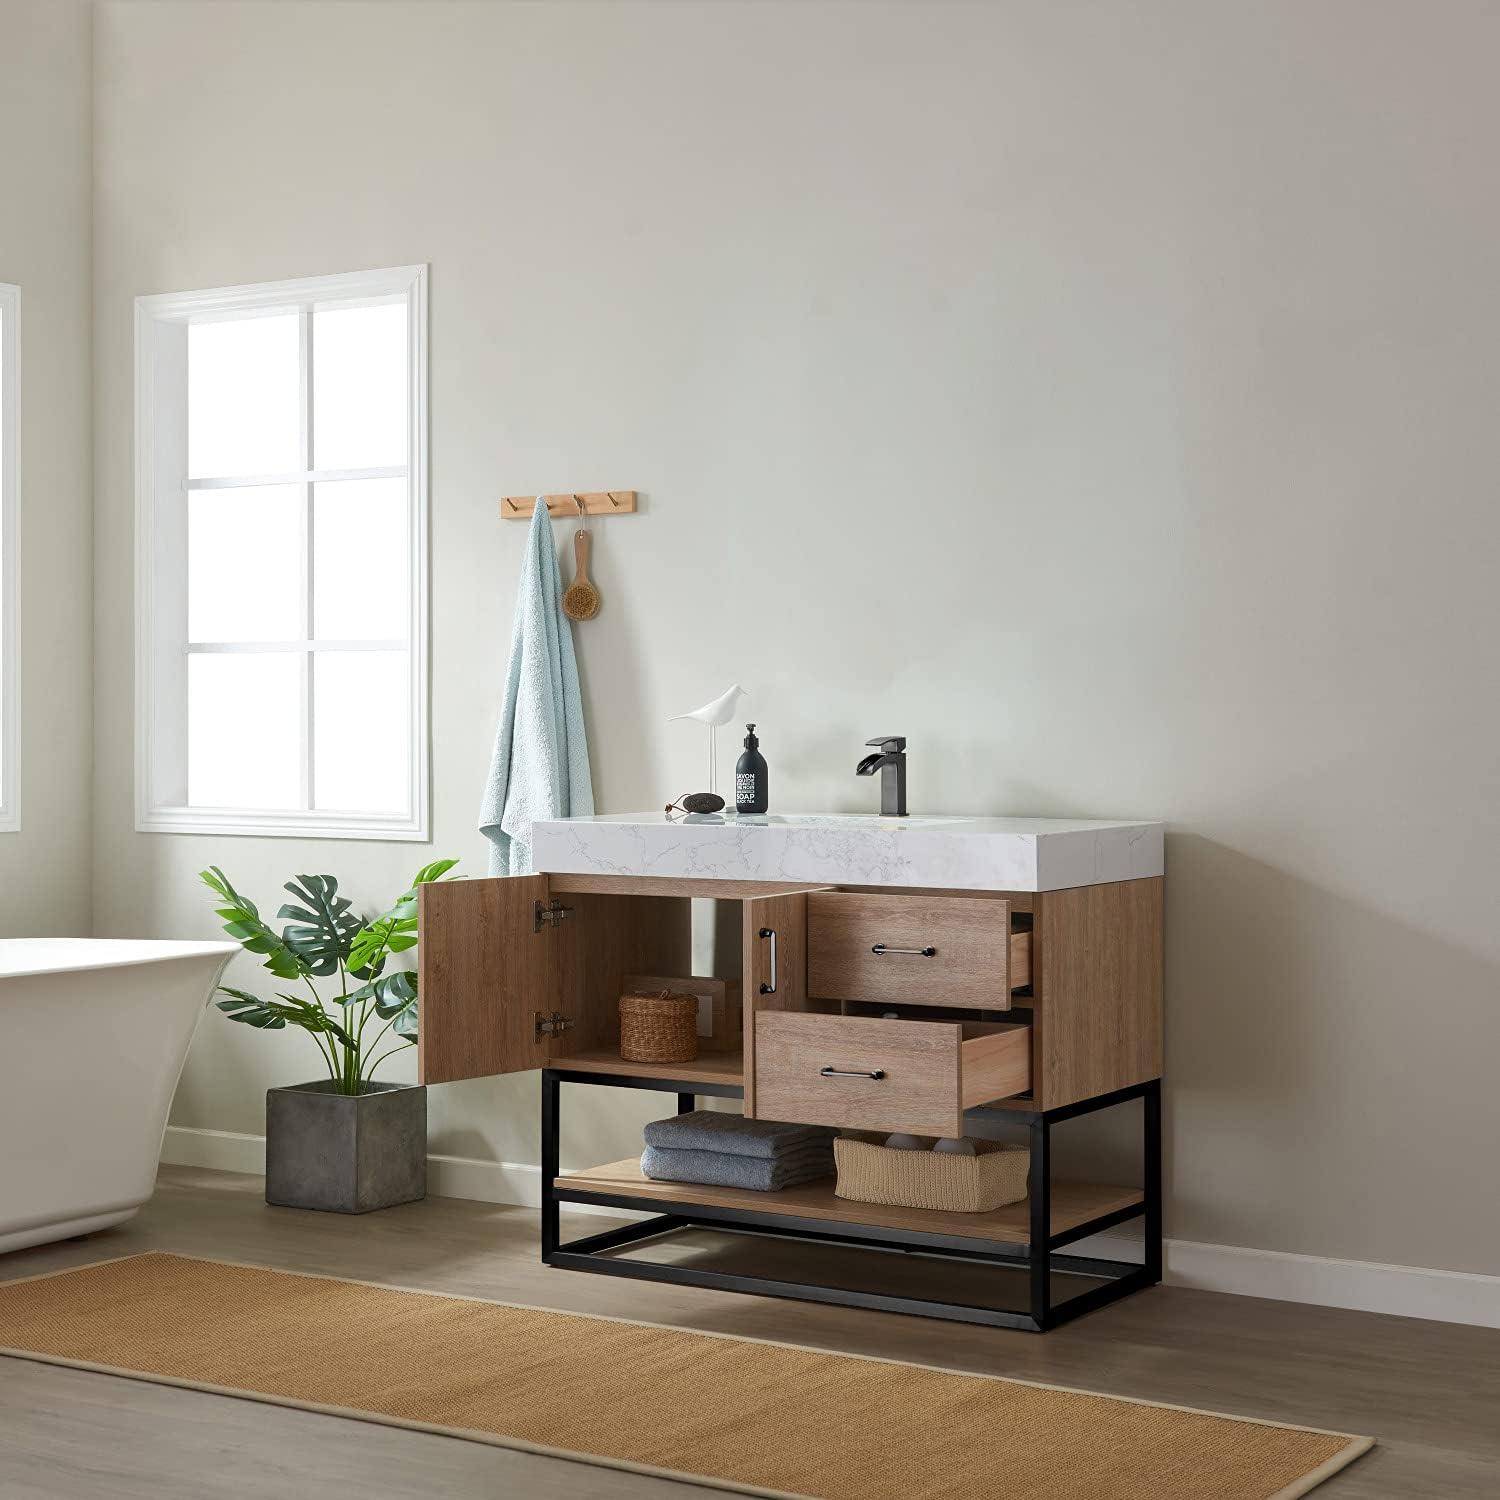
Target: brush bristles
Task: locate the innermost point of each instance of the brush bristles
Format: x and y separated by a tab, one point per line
581	602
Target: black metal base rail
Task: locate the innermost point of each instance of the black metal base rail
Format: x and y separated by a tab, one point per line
1037	1257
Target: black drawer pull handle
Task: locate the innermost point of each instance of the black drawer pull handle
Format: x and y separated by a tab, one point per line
880	950
876	1073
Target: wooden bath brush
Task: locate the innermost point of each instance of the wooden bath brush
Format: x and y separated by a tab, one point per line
581	602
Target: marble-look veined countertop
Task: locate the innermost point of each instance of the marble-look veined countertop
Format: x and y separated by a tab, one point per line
957	853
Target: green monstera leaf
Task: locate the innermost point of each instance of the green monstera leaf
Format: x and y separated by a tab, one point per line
321	926
394	931
242	921
271	1015
391	993
395	997
399	1004
252	1010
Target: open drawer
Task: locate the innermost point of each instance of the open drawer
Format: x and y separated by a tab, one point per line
914	949
865	1073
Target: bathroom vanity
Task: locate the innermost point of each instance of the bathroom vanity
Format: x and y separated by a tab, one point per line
923	975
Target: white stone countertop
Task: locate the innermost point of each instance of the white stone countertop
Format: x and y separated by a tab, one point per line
980	854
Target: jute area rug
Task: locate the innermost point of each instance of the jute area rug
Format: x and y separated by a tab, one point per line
754	1417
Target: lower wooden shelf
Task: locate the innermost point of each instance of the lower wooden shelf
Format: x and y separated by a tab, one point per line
707	1067
1073	1203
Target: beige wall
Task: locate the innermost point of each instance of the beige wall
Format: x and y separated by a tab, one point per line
1103	396
44	249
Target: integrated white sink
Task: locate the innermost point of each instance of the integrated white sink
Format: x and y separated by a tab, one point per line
955	853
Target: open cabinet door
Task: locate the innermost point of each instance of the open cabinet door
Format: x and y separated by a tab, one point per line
775	967
487	966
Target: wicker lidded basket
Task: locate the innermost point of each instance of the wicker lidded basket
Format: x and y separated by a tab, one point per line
657	1026
994	1176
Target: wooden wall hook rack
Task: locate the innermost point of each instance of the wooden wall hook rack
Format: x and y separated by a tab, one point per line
595	503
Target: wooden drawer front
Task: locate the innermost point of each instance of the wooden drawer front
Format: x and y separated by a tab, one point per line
959	949
929	1072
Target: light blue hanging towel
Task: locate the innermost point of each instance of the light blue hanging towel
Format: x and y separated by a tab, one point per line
540	767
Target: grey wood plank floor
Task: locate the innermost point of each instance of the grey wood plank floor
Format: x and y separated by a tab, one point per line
1428	1392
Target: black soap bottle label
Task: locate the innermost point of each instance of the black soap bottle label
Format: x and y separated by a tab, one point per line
750	795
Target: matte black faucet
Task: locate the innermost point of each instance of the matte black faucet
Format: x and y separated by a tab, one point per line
891	763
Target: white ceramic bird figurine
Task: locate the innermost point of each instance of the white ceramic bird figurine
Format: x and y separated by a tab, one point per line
720	711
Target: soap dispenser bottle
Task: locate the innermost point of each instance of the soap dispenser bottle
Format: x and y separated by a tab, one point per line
750	794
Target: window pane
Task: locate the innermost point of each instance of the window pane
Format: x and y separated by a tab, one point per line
359	386
244	397
360	560
245	564
362	731
244	718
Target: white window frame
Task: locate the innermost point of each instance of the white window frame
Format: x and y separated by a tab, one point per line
10	573
161	565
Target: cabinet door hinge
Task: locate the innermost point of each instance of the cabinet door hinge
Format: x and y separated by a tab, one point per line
550	914
553	1025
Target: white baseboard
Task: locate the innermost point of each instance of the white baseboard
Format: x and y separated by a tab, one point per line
518	1183
222	1150
1364	1286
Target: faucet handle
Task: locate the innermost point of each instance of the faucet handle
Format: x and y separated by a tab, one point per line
890	744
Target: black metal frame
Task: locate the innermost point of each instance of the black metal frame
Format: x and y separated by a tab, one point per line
1116	1279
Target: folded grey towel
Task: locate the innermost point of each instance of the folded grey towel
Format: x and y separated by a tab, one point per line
815	1156
722	1169
711	1130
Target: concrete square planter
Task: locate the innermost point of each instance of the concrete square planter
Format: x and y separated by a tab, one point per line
346	1153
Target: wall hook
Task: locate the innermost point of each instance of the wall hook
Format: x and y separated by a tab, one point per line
586	503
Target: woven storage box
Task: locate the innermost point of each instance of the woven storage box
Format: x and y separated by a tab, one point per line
994	1176
658	1027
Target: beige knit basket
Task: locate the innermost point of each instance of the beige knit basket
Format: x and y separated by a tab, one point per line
994	1176
658	1027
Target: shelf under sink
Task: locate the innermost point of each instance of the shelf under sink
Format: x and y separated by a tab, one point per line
1073	1203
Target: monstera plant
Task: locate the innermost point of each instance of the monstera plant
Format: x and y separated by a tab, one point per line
324	939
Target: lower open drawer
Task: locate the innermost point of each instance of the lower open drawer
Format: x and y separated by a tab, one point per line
868	1073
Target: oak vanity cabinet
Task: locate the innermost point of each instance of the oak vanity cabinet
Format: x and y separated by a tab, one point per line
517	975
877	1010
869	1009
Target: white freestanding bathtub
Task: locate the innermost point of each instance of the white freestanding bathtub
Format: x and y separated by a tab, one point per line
93	1036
